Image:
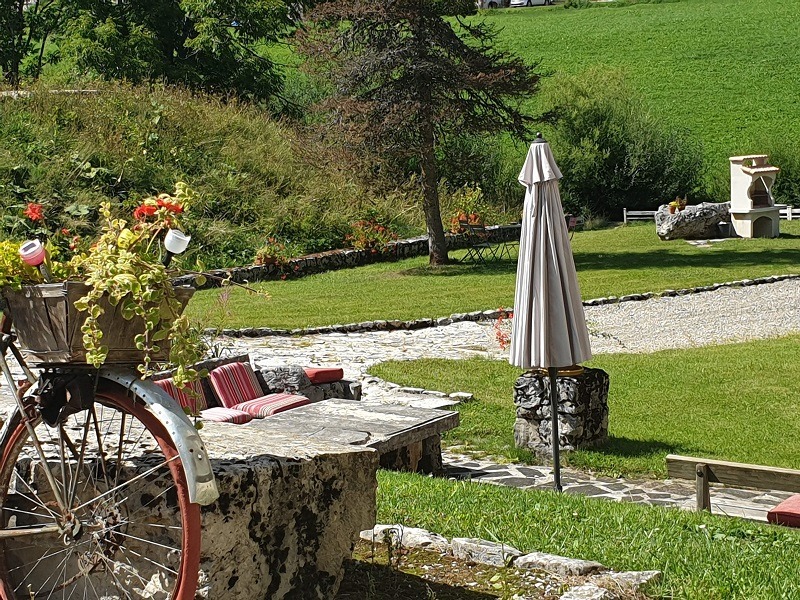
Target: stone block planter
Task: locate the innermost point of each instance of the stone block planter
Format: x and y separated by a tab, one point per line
582	413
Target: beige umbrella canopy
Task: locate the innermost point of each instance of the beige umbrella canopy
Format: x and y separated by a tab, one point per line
549	327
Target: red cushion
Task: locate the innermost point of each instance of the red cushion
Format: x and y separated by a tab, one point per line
235	383
324	375
191	396
218	414
786	513
272	404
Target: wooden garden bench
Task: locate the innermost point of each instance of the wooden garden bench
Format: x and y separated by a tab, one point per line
637	215
705	471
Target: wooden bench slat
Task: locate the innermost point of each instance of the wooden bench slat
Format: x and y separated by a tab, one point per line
735	474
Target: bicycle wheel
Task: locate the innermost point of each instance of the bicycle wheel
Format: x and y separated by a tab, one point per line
119	525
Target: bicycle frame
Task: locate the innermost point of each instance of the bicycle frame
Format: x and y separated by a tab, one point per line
202	487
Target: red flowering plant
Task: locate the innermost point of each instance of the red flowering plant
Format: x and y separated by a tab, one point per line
36	221
501	329
370	235
470	207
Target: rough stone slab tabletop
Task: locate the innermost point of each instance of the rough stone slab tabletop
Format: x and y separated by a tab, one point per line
383	427
226	441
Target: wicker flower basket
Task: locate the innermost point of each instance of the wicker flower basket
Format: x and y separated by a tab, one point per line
48	325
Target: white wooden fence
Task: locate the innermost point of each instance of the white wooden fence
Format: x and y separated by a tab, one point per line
788	213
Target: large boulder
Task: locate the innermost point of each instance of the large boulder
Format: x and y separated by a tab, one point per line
698	222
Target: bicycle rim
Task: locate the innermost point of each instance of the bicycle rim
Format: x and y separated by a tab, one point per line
125	528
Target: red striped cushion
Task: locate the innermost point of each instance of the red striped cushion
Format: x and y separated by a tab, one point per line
272	404
191	396
235	383
225	415
324	374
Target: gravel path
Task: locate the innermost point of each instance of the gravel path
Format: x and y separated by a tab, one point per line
721	316
725	315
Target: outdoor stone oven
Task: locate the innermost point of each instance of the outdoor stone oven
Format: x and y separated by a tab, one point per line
753	212
582	411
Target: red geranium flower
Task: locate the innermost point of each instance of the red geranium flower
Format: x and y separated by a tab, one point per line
173	207
35	212
143	211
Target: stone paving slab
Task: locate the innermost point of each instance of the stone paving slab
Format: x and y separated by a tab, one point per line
749	504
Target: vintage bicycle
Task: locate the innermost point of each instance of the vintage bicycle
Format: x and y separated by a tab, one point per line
102	474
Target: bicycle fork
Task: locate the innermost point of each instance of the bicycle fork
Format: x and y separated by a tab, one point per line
7	343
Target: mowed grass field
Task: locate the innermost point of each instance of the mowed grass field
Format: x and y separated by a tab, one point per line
728	70
615	261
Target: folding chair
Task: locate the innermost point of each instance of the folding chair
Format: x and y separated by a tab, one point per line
479	247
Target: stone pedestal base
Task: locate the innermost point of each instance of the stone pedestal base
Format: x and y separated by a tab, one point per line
582	413
288	514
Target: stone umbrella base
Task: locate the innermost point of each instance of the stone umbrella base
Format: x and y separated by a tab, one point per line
582	412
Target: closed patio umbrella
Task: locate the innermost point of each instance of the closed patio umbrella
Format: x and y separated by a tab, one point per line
549	327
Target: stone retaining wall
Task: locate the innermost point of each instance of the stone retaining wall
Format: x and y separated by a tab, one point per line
288	515
343	259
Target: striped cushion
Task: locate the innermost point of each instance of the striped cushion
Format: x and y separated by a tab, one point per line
225	415
235	383
272	404
319	375
190	396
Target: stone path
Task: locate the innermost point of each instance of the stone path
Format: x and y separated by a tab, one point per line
722	316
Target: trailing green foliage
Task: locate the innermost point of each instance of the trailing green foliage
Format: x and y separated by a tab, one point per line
702	557
615	153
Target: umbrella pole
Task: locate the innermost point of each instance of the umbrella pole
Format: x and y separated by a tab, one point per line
553	374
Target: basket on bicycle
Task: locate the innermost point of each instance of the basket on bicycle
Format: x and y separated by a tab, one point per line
48	326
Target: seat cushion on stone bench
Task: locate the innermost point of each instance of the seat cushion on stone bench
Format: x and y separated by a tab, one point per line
272	404
191	396
225	415
319	375
235	383
786	513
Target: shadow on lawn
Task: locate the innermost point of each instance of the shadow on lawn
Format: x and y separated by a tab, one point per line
597	261
627	448
369	581
490	267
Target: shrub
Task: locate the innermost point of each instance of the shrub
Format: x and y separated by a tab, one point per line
785	155
613	152
70	152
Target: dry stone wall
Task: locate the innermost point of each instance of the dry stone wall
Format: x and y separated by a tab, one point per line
582	411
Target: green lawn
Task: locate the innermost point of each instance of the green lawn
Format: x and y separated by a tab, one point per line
616	261
734	402
703	557
729	70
